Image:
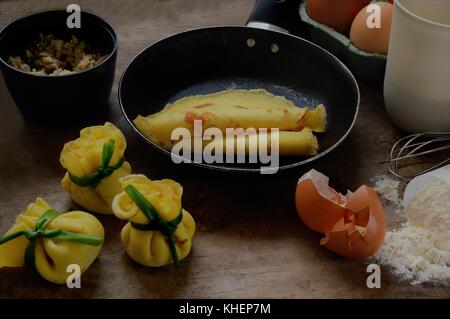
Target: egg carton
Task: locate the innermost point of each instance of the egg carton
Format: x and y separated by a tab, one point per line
368	67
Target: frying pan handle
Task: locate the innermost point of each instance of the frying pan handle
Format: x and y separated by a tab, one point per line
279	15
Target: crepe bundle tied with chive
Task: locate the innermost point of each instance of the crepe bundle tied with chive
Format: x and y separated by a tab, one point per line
90	181
49	241
256	109
161	236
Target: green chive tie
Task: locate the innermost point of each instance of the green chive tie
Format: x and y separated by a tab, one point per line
104	171
40	232
156	222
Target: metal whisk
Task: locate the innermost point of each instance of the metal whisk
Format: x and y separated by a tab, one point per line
417	145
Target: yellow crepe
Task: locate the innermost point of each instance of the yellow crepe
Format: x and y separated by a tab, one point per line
83	156
294	143
150	247
52	256
234	109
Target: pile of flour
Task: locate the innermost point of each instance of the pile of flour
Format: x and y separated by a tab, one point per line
389	189
420	250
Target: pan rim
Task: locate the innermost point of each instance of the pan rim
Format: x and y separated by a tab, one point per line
242	169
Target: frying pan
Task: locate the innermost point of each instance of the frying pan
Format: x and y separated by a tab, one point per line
213	59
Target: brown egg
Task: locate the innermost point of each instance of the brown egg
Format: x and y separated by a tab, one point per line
372	39
337	14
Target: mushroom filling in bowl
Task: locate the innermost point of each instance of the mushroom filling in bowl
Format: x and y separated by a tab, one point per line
53	56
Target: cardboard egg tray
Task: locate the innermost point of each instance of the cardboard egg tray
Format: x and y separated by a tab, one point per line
365	66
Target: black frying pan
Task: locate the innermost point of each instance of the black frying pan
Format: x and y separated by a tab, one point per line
213	59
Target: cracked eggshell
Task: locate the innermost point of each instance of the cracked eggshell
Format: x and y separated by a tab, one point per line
360	233
354	225
318	205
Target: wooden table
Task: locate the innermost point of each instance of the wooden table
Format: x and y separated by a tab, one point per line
250	241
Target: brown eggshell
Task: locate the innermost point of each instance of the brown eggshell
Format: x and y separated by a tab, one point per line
317	212
354	226
363	235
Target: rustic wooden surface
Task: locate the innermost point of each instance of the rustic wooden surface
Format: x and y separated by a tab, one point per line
250	242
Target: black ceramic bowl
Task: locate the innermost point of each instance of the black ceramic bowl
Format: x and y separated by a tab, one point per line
59	98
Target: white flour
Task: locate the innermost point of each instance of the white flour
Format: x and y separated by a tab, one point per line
420	250
388	189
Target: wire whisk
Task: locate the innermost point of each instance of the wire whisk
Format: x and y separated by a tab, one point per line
414	146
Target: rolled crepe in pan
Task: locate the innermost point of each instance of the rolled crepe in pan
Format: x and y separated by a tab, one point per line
301	143
232	109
